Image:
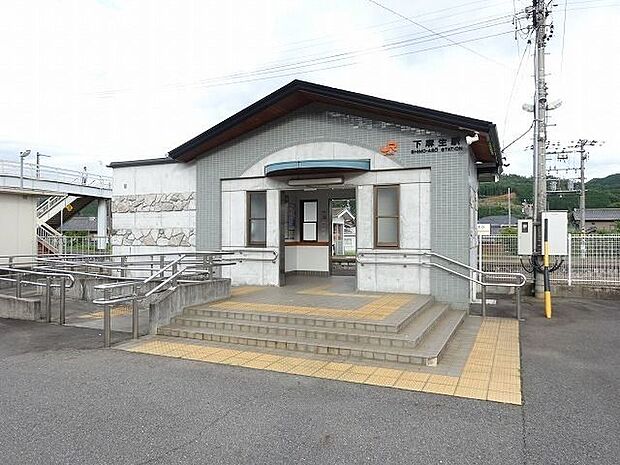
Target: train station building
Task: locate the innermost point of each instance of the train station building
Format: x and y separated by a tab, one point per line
271	181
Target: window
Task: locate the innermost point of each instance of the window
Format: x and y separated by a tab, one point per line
386	216
257	218
309	212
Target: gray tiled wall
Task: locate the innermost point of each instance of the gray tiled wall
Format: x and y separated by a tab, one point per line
314	123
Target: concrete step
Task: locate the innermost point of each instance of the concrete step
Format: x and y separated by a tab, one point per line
410	336
436	341
392	324
426	353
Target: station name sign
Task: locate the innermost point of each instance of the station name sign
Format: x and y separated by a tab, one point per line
442	144
454	144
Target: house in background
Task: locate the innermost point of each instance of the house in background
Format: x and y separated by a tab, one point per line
598	219
81	224
498	222
343	232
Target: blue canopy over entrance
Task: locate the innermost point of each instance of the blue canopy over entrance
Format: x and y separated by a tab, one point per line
314	166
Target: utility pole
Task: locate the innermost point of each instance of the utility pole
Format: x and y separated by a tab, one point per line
539	23
39	155
580	148
564	155
582	193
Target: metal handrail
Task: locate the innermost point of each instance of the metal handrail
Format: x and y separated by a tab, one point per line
62	286
184	264
37	273
172	264
483	285
242	250
406	252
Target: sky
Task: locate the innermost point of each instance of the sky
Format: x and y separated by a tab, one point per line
89	82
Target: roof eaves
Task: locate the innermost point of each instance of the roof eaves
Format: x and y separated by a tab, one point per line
145	162
347	97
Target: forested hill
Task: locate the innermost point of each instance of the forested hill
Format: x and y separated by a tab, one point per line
601	193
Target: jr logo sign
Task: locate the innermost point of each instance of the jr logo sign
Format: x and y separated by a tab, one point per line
390	148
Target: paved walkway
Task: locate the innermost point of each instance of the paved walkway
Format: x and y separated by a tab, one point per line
492	370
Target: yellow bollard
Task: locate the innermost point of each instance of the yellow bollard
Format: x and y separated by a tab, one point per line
546	273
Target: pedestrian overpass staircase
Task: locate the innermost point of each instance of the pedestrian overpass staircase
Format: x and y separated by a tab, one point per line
65	193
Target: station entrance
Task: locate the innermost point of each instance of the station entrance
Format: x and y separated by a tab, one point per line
318	232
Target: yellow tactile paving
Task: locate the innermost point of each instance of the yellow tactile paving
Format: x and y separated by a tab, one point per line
379	309
116	311
489	373
323	290
244	290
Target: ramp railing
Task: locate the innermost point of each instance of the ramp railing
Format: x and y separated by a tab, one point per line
132	277
61	281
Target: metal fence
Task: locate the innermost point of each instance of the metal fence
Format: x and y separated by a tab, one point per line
72	245
593	259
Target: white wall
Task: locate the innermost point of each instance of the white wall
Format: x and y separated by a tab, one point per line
256	266
415	227
306	258
154	208
149	179
415	235
19	222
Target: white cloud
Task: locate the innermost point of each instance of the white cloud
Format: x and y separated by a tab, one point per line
103	81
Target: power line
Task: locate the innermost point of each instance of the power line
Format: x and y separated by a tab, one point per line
519	138
389	46
396	24
304	65
514	85
434	32
476	39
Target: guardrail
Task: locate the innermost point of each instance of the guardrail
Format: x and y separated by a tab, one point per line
484	278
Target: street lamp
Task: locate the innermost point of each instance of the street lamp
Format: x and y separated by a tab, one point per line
22	155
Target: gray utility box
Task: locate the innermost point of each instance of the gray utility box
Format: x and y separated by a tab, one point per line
525	237
557	222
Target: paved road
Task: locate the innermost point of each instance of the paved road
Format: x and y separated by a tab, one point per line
64	400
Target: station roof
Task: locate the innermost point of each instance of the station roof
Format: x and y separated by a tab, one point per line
297	94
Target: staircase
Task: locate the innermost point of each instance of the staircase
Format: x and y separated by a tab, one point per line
49	211
417	334
49	241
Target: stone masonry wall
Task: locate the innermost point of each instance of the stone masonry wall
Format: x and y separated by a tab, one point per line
174	201
148	226
174	237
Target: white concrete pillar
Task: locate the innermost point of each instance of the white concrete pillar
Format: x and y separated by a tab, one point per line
102	223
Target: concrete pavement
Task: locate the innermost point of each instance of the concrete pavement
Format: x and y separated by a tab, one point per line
65	400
